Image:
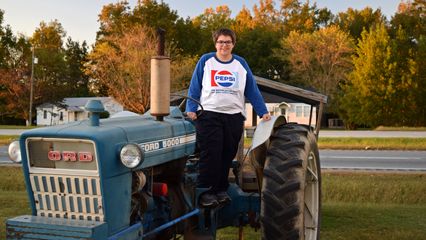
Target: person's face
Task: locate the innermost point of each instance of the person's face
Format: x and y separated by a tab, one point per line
224	46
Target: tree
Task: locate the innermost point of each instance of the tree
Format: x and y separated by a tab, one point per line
420	79
14	81
57	75
408	29
125	68
208	22
118	22
117	19
411	16
7	44
75	57
50	74
15	93
379	90
320	60
355	21
302	17
14	68
114	19
156	15
257	47
243	21
265	15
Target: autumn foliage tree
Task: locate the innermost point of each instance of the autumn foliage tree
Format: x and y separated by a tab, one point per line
320	60
408	28
56	75
15	89
124	67
119	64
14	77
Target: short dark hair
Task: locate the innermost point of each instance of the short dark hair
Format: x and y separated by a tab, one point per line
224	32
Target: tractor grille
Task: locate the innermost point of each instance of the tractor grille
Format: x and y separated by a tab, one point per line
64	178
72	197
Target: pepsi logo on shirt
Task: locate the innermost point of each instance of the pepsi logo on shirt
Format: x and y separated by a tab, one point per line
223	78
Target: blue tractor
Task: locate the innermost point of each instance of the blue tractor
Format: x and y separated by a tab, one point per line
134	177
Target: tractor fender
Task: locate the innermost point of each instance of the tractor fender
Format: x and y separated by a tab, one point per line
261	136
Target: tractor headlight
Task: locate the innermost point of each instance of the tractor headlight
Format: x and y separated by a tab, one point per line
15	152
131	155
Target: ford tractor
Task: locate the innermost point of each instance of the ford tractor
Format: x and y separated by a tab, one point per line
134	176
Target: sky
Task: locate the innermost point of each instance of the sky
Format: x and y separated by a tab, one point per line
79	18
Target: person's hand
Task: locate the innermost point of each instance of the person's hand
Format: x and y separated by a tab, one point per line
192	115
266	117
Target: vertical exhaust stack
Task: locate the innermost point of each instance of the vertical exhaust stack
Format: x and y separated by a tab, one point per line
94	107
160	80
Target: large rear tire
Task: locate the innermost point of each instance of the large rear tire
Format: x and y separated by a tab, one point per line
291	186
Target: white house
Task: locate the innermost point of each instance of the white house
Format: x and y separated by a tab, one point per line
72	109
293	112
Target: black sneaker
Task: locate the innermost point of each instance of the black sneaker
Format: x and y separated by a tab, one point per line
208	200
223	197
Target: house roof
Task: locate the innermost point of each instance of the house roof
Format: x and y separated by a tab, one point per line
75	104
81	101
280	92
45	105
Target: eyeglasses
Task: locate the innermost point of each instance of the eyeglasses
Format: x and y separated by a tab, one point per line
224	42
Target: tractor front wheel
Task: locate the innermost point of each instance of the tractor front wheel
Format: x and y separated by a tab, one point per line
291	186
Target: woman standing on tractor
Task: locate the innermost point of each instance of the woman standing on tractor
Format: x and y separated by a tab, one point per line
221	81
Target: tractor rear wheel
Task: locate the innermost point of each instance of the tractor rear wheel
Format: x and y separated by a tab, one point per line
291	186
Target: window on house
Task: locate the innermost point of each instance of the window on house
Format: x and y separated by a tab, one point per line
298	111
75	116
306	111
61	116
44	114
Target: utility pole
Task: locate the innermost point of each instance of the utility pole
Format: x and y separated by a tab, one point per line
33	61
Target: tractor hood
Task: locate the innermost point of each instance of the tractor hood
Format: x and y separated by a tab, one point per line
161	141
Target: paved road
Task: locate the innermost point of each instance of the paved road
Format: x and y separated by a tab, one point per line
380	134
4	157
373	160
11	131
348	159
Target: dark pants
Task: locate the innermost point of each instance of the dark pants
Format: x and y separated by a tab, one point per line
218	135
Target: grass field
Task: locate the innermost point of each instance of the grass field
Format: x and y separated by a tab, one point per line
366	143
6	139
383	128
16	127
372	143
356	206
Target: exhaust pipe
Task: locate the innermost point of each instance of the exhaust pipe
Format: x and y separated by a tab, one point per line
94	107
160	80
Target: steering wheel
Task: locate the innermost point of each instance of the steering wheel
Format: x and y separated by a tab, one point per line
183	103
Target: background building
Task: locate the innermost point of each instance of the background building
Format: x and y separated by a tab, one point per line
71	110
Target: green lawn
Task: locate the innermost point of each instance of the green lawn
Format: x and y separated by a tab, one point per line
16	127
383	128
366	143
360	221
369	221
372	143
13	197
6	139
